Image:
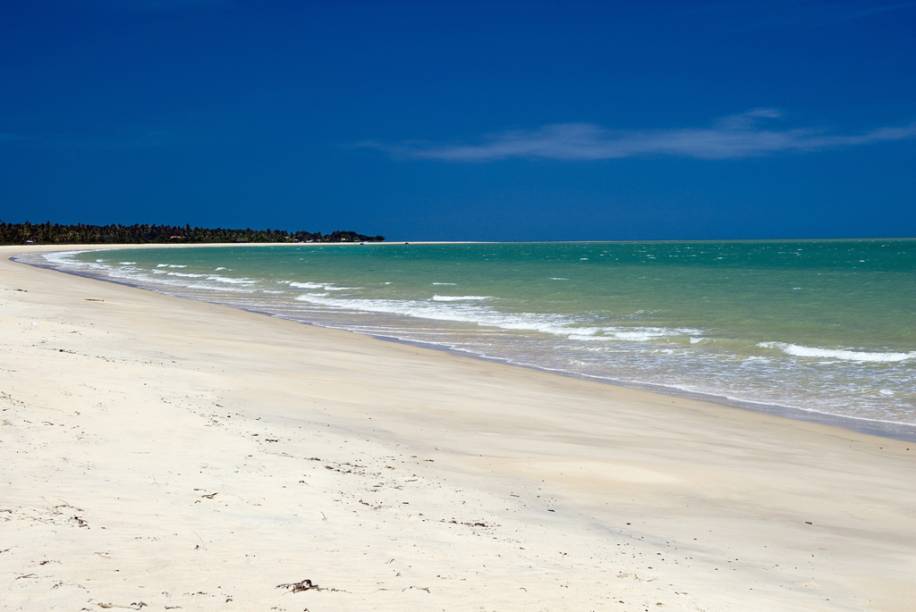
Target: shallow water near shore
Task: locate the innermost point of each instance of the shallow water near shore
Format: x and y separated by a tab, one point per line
823	327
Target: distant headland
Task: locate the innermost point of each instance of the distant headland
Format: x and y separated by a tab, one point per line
55	233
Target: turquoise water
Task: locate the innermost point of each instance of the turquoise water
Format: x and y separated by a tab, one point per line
821	326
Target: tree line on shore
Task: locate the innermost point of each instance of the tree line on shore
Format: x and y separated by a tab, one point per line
55	233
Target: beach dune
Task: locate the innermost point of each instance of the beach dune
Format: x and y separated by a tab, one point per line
168	454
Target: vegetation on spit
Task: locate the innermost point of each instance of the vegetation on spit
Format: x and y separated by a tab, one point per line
54	233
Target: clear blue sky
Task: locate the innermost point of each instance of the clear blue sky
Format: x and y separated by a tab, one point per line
433	120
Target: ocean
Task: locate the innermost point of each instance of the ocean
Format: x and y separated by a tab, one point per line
822	330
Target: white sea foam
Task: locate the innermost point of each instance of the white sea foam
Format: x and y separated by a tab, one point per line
460	298
220	268
322	286
798	350
475	313
445	284
629	334
643	334
171	266
230	281
558	278
127	263
304	285
219	288
178	280
454	311
62	257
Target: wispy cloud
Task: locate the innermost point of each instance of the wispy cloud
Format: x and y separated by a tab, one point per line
735	136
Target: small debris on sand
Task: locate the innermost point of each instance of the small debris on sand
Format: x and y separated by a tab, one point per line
79	521
297	587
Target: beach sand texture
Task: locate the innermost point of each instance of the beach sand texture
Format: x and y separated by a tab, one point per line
167	454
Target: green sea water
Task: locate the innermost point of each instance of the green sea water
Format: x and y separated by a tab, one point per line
821	327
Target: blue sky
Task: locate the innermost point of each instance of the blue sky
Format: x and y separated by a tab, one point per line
503	120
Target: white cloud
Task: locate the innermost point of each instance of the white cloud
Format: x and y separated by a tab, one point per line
735	136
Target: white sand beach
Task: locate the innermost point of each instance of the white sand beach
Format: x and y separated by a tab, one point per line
165	454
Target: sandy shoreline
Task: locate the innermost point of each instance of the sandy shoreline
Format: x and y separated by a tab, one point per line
397	477
878	427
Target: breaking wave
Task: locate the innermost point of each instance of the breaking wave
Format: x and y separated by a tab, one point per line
797	350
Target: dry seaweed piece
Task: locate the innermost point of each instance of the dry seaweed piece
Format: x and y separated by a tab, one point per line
297	587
